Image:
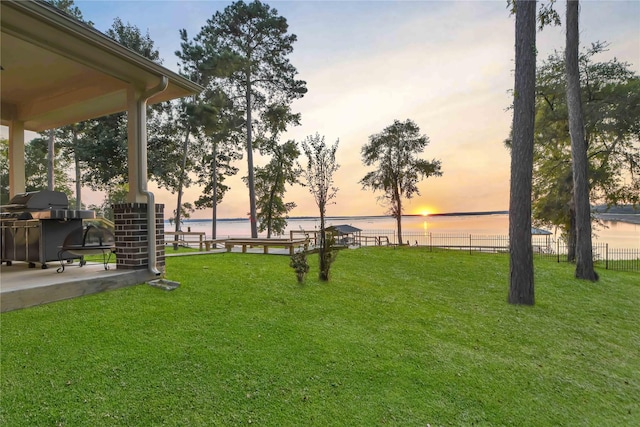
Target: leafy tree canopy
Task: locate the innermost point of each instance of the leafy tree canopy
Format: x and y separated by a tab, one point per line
131	37
4	171
250	43
271	182
69	7
35	167
116	194
245	49
394	152
611	108
104	148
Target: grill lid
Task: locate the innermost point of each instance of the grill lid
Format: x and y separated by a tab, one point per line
37	200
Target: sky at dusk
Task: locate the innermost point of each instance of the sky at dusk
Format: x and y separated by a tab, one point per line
446	65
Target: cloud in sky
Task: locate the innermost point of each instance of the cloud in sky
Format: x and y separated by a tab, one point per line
446	65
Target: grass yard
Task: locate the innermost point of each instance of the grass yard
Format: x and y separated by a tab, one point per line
398	337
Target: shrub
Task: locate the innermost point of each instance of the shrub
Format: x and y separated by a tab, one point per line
300	265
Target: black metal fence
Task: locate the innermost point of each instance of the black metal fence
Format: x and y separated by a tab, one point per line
605	256
544	246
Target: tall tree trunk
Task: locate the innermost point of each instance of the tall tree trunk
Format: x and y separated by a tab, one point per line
51	184
270	212
323	275
251	179
76	162
78	174
571	233
399	217
214	189
183	166
584	251
272	195
521	287
269	217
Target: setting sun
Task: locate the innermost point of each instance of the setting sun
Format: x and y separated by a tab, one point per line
425	211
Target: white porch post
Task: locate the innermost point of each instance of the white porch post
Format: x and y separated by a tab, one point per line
16	158
137	158
137	146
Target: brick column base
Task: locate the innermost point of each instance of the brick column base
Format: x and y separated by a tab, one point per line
131	236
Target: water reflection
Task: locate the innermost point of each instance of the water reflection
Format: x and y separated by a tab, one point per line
616	234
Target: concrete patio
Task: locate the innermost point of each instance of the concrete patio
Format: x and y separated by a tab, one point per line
21	286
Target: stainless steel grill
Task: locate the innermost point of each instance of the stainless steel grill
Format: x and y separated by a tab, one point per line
34	226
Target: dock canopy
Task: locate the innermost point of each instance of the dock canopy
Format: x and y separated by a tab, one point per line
346	234
342	230
540	232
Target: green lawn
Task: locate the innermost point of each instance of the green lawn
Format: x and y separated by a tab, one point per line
398	337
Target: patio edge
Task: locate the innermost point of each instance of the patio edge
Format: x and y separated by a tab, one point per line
34	296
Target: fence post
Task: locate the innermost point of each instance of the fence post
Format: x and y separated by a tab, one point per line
470	244
558	249
606	256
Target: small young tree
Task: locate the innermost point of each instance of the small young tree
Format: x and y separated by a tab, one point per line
300	265
395	152
321	165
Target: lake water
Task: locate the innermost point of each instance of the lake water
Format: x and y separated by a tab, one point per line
616	234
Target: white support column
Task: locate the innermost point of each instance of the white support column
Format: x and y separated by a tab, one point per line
136	147
137	158
16	158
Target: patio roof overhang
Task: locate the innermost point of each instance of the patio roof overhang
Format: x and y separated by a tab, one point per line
58	71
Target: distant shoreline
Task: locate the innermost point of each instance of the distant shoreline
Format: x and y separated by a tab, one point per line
628	218
467	213
333	217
